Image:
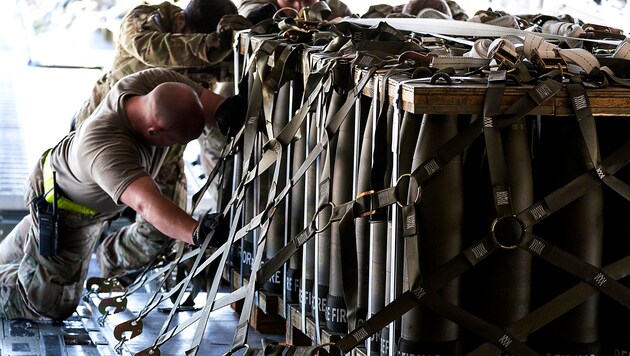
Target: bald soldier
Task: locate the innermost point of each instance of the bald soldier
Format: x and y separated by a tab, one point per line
194	41
109	163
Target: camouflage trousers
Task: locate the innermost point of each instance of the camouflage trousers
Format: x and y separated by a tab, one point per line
32	286
135	245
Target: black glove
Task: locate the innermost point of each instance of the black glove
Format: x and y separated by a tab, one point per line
262	13
230	115
227	26
233	23
208	223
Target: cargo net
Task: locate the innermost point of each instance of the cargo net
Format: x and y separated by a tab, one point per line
418	186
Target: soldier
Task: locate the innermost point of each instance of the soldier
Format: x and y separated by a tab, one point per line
248	8
415	7
92	174
194	42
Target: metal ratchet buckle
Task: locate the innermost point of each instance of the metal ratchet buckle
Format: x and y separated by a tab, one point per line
506	58
416	59
604	31
433	43
298	35
549	63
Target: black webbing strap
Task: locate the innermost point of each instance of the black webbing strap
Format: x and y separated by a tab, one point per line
291	248
576	188
567	262
240	335
203	315
212	293
288	133
262	54
282	71
535	97
558	306
434	282
130	326
260	57
164	331
500	337
455	146
118	303
494	144
186	281
586	121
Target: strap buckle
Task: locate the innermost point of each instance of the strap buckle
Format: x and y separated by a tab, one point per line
365	196
506	58
432	43
547	63
416	59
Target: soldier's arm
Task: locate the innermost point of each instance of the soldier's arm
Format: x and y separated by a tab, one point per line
153	43
175	50
144	196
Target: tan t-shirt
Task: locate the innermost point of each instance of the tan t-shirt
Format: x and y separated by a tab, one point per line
97	162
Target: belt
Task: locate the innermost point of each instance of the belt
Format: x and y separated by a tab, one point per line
62	202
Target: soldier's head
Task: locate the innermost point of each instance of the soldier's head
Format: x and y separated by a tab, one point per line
296	4
170	114
203	16
413	7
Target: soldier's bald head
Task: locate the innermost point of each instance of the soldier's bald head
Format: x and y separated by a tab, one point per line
176	114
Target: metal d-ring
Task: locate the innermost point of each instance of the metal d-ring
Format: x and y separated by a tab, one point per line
314	220
236	348
497	240
418	193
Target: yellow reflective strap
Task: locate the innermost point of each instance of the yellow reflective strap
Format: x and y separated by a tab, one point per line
62	202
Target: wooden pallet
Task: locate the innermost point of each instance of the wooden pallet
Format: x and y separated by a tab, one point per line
268	315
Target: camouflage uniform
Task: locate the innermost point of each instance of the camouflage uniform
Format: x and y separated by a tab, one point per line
47	287
146	40
337	8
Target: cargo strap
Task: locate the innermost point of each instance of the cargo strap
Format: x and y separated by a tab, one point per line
211	304
494	145
273	152
469	257
597	278
461	28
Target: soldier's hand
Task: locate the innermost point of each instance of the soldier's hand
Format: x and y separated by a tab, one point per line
226	27
230	115
262	13
208	223
229	23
